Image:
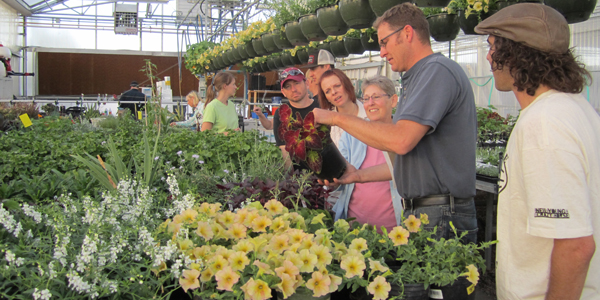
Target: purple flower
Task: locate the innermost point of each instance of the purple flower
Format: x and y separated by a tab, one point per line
195	156
156	158
179	153
103	142
200	161
168	162
226	171
180	167
183	160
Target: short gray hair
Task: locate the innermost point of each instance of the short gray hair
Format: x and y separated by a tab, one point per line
382	82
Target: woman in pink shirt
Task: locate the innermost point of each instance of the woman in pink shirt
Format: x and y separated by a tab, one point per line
374	203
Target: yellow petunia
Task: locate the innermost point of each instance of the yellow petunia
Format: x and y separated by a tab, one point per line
359	245
296	235
286	286
200	252
189	280
189	215
238	261
412	223
185	245
226	218
204	230
323	256
335	282
206	275
289	268
259	290
424	219
377	266
226	278
399	236
309	261
261	223
341	225
238	231
472	274
280	225
274	207
263	268
218	264
244	246
318	219
319	284
379	288
353	265
279	243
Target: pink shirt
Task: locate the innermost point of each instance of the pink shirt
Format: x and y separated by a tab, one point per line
371	202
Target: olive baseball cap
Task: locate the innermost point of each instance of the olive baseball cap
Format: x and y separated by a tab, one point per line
534	25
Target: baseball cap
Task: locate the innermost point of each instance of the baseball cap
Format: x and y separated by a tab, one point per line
320	57
291	74
534	25
134	83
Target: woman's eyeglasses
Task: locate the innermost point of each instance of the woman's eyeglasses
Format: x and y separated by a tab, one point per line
374	97
292	72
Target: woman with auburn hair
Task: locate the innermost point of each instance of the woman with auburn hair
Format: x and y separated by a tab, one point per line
196	119
220	115
336	92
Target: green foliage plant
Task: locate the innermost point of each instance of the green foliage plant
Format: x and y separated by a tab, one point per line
476	7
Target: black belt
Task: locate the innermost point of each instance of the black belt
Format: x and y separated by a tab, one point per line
433	200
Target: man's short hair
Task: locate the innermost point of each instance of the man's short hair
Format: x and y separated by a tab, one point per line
406	14
134	84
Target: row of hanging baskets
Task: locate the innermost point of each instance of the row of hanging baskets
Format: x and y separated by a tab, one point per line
358	14
446	27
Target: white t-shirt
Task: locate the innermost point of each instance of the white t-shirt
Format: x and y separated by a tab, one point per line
551	179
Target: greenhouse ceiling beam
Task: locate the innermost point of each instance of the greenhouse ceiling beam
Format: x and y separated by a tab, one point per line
234	17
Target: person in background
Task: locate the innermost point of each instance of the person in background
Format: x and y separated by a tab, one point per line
336	92
549	206
196	119
319	61
434	131
133	94
313	85
293	87
266	123
375	203
220	115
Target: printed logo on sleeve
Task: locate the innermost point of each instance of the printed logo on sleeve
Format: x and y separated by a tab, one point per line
552	213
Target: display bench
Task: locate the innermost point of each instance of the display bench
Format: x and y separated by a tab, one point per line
483	184
257	96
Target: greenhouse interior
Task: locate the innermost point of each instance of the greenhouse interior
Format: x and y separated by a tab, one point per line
122	178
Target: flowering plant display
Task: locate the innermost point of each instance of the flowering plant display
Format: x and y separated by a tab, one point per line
477	7
256	250
303	139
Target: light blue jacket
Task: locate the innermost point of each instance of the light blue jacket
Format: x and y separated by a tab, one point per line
354	151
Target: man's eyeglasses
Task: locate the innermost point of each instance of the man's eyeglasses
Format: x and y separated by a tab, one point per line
292	72
383	42
374	97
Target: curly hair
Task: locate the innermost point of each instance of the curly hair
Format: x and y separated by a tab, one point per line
531	68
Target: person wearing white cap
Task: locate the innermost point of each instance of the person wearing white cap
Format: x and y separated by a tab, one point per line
319	61
549	204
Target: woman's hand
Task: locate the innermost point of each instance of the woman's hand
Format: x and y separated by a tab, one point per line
349	176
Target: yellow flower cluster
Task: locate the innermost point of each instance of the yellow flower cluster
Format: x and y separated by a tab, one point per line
257	248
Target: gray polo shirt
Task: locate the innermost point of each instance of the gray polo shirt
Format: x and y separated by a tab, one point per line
437	93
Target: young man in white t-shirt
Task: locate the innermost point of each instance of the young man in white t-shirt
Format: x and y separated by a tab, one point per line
549	206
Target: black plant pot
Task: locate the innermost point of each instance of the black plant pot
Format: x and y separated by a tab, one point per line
353	45
278	62
271	64
287	60
431	3
338	49
281	40
334	164
294	34
242	50
357	13
370	46
264	66
443	27
467	24
259	47
302	55
574	11
455	291
380	6
296	59
331	20
250	49
269	43
325	46
309	24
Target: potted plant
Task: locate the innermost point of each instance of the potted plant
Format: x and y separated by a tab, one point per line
309	25
443	25
431	3
352	42
330	18
310	145
380	6
369	39
471	12
574	11
357	13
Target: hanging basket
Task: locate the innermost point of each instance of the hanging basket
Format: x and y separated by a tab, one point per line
330	20
281	40
264	66
243	53
380	6
286	59
467	24
232	59
500	4
370	46
574	11
294	34
338	49
353	45
431	3
325	46
302	54
226	59
219	63
443	27
269	43
357	13
271	64
296	59
250	50
309	24
236	54
278	63
259	47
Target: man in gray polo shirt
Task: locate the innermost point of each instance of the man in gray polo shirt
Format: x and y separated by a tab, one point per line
433	136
